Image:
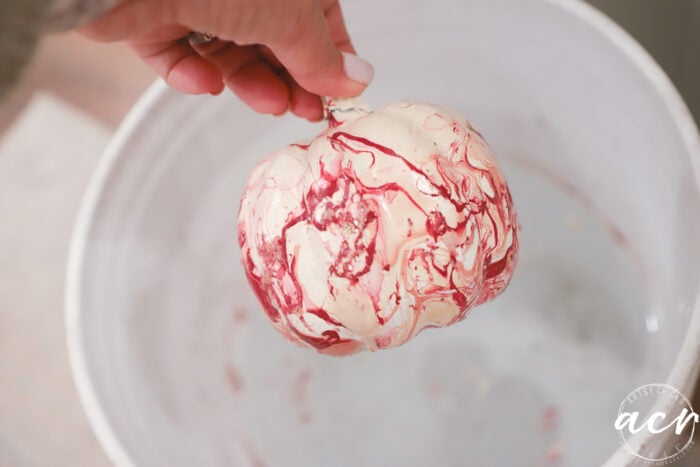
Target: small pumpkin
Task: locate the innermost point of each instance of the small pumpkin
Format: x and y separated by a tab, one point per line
387	223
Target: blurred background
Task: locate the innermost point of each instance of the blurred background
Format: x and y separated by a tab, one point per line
52	129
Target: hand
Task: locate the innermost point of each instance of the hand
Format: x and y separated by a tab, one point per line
276	55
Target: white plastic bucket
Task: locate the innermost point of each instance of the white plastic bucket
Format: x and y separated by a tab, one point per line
176	365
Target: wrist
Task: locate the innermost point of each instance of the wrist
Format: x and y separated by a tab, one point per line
67	14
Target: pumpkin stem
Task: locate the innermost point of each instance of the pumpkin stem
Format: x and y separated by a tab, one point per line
344	109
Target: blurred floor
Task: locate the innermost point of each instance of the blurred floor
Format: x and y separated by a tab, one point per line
53	129
45	162
104	80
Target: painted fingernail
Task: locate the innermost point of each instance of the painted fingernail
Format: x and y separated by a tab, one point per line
357	69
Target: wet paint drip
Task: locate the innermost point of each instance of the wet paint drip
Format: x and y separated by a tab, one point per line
387	223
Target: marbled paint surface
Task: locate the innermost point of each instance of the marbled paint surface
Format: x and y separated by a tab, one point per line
387	223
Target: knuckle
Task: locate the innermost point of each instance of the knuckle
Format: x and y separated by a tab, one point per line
298	18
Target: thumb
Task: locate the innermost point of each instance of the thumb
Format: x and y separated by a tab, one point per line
316	63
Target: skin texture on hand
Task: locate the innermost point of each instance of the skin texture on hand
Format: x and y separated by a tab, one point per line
276	55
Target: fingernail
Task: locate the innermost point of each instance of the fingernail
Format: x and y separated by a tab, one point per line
357	69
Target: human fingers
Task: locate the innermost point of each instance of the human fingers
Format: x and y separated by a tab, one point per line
249	75
173	58
302	103
315	62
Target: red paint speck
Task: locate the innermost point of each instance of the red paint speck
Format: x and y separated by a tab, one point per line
301	386
618	236
550	419
300	393
234	378
553	455
240	315
436	390
253	457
